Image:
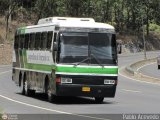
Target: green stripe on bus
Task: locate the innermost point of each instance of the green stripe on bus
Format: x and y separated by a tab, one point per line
87	70
71	69
39	67
21	30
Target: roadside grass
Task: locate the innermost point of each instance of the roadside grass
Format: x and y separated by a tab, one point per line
154	28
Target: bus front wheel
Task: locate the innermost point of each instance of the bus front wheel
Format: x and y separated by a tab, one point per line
48	92
51	97
99	99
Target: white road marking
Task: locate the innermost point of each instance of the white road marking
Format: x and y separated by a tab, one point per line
33	105
147	75
5	72
134	91
47	109
5	66
145	65
51	110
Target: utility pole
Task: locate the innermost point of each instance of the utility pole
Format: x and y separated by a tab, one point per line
144	41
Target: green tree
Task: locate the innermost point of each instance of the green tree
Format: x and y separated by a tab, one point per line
45	8
11	7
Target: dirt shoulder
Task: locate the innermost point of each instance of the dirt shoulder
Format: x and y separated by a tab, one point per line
5	54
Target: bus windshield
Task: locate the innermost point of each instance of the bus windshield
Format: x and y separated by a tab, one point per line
87	48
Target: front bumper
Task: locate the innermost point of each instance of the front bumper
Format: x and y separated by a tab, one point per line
95	90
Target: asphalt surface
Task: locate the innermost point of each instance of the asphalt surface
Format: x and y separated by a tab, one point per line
132	97
151	70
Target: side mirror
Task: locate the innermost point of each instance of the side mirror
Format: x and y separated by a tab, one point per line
119	49
119	46
55	46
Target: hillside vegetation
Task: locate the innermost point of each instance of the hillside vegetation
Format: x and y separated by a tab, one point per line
127	16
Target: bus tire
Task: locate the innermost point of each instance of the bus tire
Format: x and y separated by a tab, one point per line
47	90
158	67
99	99
21	83
28	92
50	96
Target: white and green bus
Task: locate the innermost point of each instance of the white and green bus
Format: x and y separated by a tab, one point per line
63	56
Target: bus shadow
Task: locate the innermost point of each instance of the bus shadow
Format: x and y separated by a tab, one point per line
68	100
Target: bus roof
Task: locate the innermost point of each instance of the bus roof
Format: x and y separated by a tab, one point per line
64	19
65	22
74	22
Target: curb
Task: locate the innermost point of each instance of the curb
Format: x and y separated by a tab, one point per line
133	69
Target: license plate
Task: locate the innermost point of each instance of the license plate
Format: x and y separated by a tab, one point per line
86	89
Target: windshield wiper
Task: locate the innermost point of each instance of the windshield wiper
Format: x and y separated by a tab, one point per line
97	60
82	61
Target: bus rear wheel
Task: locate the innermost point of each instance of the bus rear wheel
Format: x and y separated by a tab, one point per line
158	67
99	99
22	88
28	92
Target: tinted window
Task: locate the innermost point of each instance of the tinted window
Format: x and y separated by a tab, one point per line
43	40
21	39
55	35
37	40
49	39
16	42
93	48
74	47
26	41
32	41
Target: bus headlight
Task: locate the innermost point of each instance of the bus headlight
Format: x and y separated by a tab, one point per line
66	80
109	82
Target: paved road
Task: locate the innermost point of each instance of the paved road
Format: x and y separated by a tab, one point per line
151	70
131	97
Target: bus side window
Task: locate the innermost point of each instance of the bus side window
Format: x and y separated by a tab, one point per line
29	41
26	41
43	40
37	40
21	39
16	42
119	46
55	36
32	41
49	39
